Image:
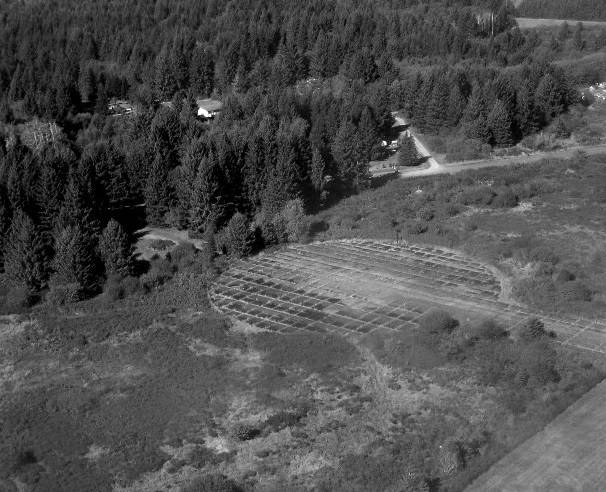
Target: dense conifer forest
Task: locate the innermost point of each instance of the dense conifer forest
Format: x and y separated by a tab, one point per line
308	90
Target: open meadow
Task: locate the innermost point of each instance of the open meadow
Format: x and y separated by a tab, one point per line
457	320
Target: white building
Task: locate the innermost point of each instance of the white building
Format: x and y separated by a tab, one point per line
209	108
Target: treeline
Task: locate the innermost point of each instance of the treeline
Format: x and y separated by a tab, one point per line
60	55
267	160
590	10
494	107
307	87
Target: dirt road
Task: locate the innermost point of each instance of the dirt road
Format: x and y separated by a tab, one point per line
528	23
431	166
455	167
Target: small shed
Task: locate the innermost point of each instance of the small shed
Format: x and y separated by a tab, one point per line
209	108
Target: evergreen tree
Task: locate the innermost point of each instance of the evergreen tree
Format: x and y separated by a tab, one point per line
560	129
158	195
437	108
367	138
101	99
26	260
548	98
408	155
116	250
165	82
317	170
179	65
352	168
563	32
5	223
237	236
74	262
86	83
456	106
525	115
202	72
204	205
84	205
362	66
577	38
474	117
499	124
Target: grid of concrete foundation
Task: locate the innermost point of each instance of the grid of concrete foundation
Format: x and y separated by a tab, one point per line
320	288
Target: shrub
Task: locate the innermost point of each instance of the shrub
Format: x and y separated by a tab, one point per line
437	322
565	276
452	210
536	363
425	214
237	237
479	195
186	289
544	269
118	288
113	290
183	256
131	285
295	220
417	227
505	199
159	273
543	254
516	400
245	432
61	294
488	329
18	299
471	224
532	329
211	483
574	291
161	244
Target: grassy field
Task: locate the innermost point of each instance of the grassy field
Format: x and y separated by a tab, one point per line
147	388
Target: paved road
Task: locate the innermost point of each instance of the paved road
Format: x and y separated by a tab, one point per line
568	455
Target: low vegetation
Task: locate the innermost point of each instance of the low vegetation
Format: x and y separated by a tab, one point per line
541	223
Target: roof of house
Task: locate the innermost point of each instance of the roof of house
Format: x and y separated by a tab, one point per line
209	105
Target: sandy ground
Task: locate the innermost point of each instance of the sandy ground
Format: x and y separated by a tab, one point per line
144	249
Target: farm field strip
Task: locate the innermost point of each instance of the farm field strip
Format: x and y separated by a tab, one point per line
354	287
